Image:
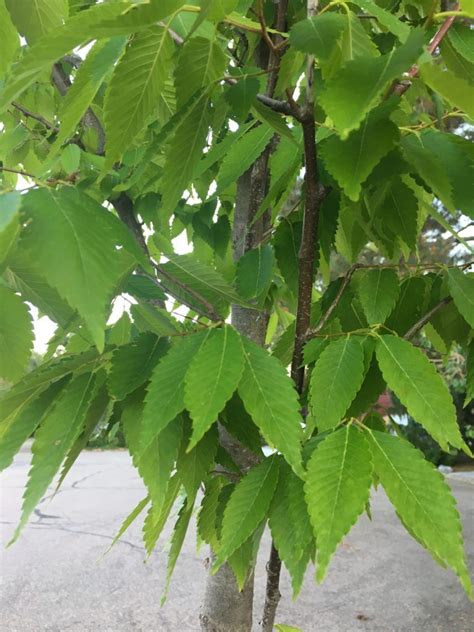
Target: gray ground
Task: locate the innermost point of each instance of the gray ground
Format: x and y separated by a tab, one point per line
53	579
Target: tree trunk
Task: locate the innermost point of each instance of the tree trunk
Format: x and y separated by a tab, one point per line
225	609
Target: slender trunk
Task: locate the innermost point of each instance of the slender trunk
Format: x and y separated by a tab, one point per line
225	609
313	194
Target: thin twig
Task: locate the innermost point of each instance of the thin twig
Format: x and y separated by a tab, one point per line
311	333
124	207
442	31
18	172
36	117
63	83
426	318
401	87
208	312
261	18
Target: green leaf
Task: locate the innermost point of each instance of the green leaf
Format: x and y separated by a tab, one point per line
354	42
351	235
153	319
221	149
9	40
318	35
132	516
99	410
335	380
143	288
397	211
270	399
136	84
177	540
289	522
14	401
89	78
157	516
461	287
16	335
53	440
184	152
241	96
372	387
132	364
378	292
462	38
120	332
422	499
165	396
201	278
17	427
352	161
58	42
255	272
287	244
9	223
239	423
409	306
70	158
455	62
206	521
442	160
277	122
201	62
243	153
35	19
212	378
359	86
24	276
194	465
419	387
85	265
337	490
385	18
455	90
156	463
242	562
247	507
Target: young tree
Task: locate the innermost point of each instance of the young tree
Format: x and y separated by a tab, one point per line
133	123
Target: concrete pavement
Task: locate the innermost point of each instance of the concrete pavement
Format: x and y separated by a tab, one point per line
53	579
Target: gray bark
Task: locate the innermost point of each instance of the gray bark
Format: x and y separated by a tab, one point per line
225	609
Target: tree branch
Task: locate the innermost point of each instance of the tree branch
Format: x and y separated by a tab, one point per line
36	117
18	172
282	107
314	194
327	315
426	318
124	207
401	87
63	83
208	312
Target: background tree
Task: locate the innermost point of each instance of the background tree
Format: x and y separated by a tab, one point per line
272	135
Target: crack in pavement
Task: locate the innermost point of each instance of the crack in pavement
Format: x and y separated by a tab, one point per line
84	478
67	489
97	535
